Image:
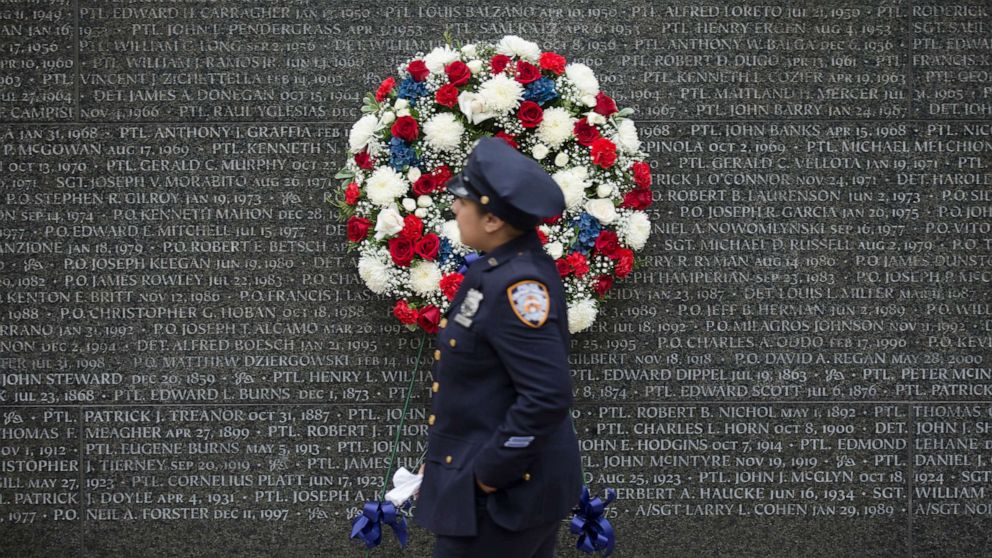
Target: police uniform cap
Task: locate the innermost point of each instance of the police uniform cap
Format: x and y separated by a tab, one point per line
508	184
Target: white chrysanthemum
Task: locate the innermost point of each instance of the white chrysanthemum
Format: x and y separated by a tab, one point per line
554	249
583	78
501	93
581	315
425	277
512	45
573	185
626	137
384	186
444	131
450	230
388	223
602	209
440	57
374	272
638	229
362	132
473	106
555	127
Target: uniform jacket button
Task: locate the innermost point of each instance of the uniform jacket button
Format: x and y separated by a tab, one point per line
430	420
447	459
452	342
437	354
444	322
526	476
435	387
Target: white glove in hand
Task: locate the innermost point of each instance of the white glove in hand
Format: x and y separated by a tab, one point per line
405	483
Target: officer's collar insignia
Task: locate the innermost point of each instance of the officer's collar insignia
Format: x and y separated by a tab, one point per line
530	302
468	308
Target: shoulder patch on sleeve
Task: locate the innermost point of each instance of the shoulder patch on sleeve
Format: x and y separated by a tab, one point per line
530	302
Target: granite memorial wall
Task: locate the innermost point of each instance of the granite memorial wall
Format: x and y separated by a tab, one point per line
190	365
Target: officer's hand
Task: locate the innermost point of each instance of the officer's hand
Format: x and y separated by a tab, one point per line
485	487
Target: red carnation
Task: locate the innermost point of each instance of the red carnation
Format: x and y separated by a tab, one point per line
607	243
404	313
447	95
552	220
527	72
358	228
638	198
604	153
603	283
442	174
352	193
541	236
450	284
428	318
405	128
625	262
553	62
413	228
577	261
424	185
642	174
530	114
508	138
384	88
585	133
418	70
458	72
499	62
563	268
364	160
401	250
604	104
428	246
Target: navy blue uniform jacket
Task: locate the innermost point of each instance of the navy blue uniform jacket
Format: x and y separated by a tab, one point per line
500	402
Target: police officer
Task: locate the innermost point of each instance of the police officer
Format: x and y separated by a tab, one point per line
502	465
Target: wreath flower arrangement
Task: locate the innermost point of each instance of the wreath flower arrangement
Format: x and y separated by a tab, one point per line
418	131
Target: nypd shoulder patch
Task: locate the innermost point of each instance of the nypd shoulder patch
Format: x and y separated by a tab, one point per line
530	302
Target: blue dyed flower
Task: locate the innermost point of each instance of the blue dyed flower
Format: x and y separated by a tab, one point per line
589	228
401	154
444	251
411	90
540	91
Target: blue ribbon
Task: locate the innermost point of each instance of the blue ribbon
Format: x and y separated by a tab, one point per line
469	260
368	525
596	532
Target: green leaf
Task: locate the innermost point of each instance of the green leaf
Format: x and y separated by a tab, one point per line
345	173
625	112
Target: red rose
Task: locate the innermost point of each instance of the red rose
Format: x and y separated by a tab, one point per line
607	243
413	228
401	250
384	88
405	128
358	228
363	160
603	283
527	72
352	193
563	268
638	198
642	174
541	236
404	313
442	174
458	72
552	220
424	185
530	114
418	70
604	153
428	318
578	263
625	262
585	133
450	284
604	104
428	246
447	95
511	140
553	62
499	62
